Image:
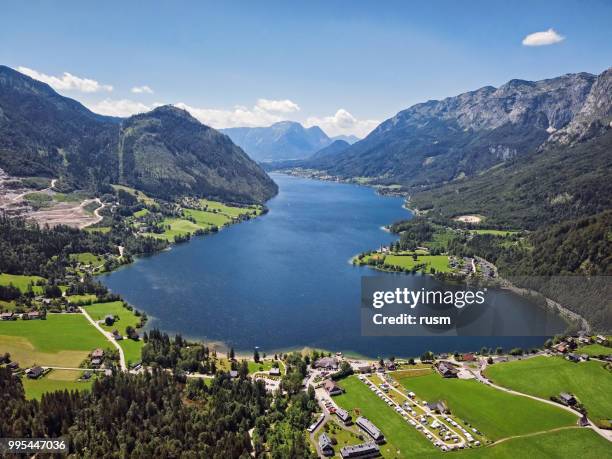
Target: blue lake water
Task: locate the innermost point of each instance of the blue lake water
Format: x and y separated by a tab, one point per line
284	281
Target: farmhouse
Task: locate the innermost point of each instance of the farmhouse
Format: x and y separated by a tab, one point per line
567	399
468	357
34	372
365	450
573	357
32	315
438	407
363	369
116	335
97	353
325	445
370	429
332	388
446	370
7	316
344	416
326	363
275	371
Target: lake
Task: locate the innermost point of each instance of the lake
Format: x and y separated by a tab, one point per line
284	281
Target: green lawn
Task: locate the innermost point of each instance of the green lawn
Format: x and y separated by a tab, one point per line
206	219
131	349
98	229
575	442
343	436
546	376
60	340
178	227
229	210
80	298
21	282
438	262
98	311
595	350
501	233
53	381
400	435
87	258
495	413
261	366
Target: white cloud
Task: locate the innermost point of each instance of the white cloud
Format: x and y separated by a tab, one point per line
237	117
342	122
282	106
67	82
120	107
142	90
548	37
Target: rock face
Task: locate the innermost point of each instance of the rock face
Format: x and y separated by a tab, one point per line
165	152
281	141
442	140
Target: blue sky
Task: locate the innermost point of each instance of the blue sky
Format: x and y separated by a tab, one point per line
343	65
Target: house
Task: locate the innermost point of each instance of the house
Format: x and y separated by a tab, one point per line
7	316
325	445
233	374
34	372
585	357
108	372
370	429
12	366
134	335
97	353
561	348
326	363
446	370
438	406
116	335
344	416
567	399
34	315
390	366
468	357
584	421
332	388
573	357
86	375
364	369
363	451
275	371
96	362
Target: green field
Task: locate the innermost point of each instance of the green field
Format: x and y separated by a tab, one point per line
61	340
98	229
500	233
177	227
98	311
546	376
21	282
80	298
495	413
206	219
87	258
566	443
261	366
438	262
343	436
229	210
53	381
400	435
594	350
131	349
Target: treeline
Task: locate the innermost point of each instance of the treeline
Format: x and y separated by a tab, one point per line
140	416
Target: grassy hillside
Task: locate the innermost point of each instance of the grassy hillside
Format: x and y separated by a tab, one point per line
544	377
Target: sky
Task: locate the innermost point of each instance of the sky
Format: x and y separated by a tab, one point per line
343	65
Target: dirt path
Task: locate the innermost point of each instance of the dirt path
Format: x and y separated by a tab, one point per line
109	337
532	434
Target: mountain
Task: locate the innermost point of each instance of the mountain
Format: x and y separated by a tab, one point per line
283	140
337	146
165	152
566	177
350	139
443	140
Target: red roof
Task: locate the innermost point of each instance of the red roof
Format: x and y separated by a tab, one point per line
469	357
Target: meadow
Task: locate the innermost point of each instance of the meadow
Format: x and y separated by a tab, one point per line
495	413
62	340
98	311
594	350
53	381
438	262
543	377
22	282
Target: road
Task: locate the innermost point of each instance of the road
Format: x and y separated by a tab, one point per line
109	337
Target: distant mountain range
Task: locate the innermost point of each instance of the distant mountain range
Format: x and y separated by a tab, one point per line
285	140
165	152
